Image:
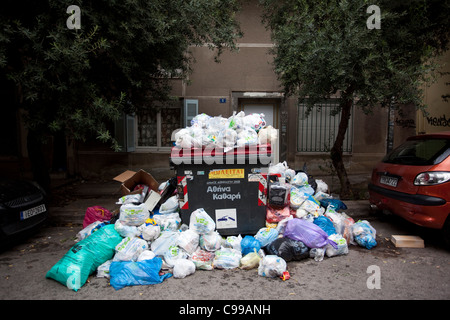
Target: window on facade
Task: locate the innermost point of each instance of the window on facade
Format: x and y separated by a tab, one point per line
155	127
317	131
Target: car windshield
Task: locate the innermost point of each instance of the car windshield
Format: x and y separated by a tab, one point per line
420	152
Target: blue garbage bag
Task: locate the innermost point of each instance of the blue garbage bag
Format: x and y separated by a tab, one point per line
132	273
266	236
249	244
364	234
335	203
326	224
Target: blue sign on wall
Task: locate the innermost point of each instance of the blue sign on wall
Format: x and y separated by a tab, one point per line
222	100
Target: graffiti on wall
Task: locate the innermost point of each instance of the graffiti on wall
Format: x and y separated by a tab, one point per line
405	123
441	121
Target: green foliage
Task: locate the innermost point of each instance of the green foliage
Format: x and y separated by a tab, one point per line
324	48
79	80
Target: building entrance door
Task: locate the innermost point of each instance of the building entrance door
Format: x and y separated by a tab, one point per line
270	109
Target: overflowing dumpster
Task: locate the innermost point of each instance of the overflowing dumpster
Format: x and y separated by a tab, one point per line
231	187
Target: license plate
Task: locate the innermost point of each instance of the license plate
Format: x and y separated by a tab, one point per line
390	181
32	212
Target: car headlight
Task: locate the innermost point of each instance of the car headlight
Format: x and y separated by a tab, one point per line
431	178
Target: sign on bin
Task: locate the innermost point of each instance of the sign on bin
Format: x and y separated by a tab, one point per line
226	218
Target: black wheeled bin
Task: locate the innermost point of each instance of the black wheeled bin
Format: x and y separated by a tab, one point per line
230	186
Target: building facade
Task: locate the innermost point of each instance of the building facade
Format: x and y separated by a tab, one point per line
245	81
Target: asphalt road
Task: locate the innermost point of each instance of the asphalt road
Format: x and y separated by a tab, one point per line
404	273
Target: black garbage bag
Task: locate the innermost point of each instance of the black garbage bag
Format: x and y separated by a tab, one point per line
288	249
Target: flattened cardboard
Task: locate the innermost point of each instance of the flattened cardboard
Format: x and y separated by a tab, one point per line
131	179
401	241
152	200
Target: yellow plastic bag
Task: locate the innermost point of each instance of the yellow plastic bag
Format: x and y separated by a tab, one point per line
250	261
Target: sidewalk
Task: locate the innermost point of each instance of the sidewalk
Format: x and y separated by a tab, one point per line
71	199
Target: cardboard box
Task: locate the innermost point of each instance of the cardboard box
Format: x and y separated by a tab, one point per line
130	179
407	241
152	200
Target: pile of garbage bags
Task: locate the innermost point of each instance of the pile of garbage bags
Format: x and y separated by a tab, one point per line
239	130
140	247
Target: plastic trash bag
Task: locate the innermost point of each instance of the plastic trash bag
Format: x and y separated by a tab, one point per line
129	249
321	186
278	195
308	233
146	255
312	206
279	168
342	247
211	241
73	269
326	224
169	206
200	120
247	137
149	230
227	139
266	236
130	198
90	229
131	273
164	242
227	258
133	215
183	268
250	261
342	223
235	121
96	213
249	244
281	226
300	179
335	203
188	240
126	230
202	259
256	121
288	249
317	253
169	221
103	269
364	234
274	215
201	222
233	242
267	135
306	189
272	266
173	254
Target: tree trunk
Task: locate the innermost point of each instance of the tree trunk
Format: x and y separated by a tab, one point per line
336	151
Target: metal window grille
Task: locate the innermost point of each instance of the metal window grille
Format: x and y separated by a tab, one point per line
317	131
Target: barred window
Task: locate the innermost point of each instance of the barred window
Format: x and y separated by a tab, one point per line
316	131
155	127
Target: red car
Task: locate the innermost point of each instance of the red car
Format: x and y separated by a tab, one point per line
413	181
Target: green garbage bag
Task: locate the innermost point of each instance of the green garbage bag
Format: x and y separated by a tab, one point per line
73	269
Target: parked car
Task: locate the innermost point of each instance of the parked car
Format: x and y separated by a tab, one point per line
413	181
23	209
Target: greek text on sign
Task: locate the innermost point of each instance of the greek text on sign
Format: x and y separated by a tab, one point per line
226	174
